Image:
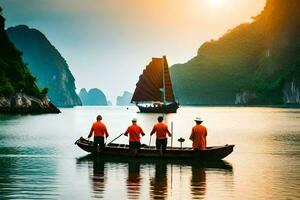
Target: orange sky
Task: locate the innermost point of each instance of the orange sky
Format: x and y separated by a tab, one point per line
117	37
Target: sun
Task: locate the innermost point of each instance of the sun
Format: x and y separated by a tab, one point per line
216	2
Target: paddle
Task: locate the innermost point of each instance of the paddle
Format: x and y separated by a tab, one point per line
115	138
172	135
150	141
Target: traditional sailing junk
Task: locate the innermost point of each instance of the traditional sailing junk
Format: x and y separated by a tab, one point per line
154	92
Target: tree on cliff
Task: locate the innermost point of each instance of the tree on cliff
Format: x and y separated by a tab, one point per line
46	63
14	74
260	58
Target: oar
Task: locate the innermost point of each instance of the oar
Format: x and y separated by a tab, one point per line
150	141
172	135
115	138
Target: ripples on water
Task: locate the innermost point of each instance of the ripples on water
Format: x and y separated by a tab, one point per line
38	158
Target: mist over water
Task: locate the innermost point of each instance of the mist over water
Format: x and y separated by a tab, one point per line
38	158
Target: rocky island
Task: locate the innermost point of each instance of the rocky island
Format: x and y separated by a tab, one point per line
47	64
93	97
125	99
18	90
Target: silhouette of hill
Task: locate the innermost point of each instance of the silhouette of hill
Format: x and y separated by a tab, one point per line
18	90
253	63
46	63
92	97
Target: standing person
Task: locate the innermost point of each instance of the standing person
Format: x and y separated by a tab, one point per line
99	130
161	130
198	135
134	132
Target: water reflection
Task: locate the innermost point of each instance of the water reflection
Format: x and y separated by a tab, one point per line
198	182
133	180
165	179
98	177
219	172
159	183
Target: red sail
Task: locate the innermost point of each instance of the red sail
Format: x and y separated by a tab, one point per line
150	82
168	83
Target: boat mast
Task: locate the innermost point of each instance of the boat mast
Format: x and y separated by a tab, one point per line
163	71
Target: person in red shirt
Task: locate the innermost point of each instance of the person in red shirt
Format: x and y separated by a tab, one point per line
99	130
198	135
161	130
134	132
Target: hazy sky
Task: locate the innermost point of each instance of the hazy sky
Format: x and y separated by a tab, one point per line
107	43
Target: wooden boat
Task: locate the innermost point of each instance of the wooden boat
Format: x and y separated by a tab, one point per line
122	150
154	92
159	108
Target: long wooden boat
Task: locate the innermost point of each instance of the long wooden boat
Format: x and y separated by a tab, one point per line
122	150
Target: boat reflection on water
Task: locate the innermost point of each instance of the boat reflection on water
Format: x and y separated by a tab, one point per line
159	183
160	179
133	180
198	182
98	178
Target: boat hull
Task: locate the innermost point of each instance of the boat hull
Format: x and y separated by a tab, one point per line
122	150
169	108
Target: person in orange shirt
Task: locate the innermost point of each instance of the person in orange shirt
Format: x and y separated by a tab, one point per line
99	130
198	135
161	130
134	132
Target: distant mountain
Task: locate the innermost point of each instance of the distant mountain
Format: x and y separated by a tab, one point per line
109	103
18	90
83	95
47	64
125	99
253	63
92	97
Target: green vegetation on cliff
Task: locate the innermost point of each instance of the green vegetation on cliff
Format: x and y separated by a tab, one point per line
260	59
14	74
47	64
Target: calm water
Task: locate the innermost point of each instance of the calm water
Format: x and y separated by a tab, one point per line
38	158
